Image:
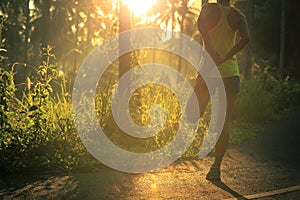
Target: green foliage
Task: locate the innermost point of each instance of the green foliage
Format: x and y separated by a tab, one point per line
7	90
142	107
37	130
264	98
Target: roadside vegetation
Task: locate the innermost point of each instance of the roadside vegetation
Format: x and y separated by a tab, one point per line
37	128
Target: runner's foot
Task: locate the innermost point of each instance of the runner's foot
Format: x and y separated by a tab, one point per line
214	174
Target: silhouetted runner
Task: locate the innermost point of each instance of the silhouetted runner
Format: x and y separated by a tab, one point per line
219	24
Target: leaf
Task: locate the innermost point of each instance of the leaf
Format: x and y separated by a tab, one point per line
28	83
32	108
53	66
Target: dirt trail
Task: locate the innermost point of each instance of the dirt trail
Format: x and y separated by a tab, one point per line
269	163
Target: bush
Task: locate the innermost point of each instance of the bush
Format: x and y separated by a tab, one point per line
264	98
37	130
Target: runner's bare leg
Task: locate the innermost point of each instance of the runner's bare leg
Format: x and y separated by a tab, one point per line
223	141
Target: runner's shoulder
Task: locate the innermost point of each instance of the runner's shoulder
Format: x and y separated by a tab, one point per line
208	8
237	17
237	14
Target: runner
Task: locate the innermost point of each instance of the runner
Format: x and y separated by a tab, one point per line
219	24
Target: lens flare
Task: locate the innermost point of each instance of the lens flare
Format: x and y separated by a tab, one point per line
139	7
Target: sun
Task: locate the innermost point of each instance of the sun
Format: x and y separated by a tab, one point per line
139	7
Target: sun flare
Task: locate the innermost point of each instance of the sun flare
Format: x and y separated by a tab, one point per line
139	7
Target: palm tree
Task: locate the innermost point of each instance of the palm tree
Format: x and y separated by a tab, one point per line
181	16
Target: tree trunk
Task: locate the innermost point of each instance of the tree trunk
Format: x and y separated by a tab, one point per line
76	35
282	36
46	23
89	7
124	25
27	30
13	33
185	8
248	66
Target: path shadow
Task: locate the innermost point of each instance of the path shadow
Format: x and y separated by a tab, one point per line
30	186
111	184
225	187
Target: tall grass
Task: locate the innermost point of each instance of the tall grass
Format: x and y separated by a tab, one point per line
37	129
264	98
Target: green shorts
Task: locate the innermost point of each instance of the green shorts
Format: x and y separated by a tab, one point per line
231	84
